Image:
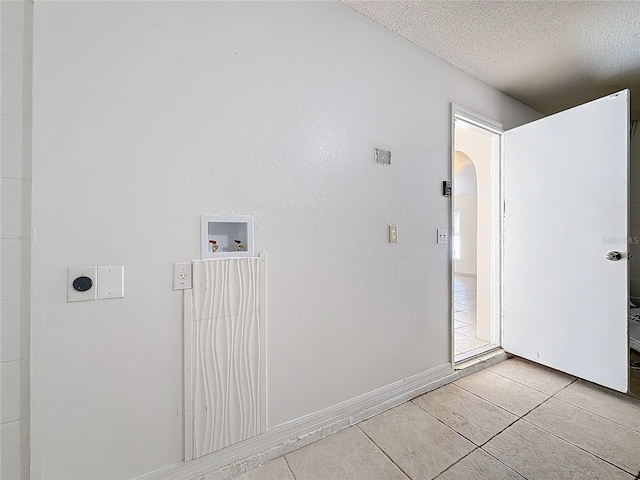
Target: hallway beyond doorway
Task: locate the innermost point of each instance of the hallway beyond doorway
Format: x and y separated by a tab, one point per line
466	341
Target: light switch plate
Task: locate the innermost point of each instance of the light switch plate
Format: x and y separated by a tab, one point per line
393	233
110	282
443	236
74	272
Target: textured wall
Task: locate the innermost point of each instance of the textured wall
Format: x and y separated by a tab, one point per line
149	114
15	188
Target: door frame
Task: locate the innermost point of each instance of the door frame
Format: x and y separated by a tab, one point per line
497	240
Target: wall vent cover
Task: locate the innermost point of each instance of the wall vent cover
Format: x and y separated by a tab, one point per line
382	156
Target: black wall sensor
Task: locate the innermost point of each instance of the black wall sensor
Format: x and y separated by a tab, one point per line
82	284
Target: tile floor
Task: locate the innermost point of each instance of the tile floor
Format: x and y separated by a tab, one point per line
466	343
513	420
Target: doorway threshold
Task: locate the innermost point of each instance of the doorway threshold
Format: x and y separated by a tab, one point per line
479	355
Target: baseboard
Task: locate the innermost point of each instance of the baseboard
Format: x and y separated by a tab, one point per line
290	436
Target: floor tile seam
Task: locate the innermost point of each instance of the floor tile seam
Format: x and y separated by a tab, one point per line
589	411
467	324
383	452
498	433
577	446
598	415
503	408
456	462
286	460
501	462
529	386
464	335
448	426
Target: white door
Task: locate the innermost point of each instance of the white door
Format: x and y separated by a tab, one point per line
566	206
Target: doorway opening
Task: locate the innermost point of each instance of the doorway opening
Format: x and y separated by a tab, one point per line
476	239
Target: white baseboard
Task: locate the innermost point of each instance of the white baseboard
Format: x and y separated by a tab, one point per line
285	438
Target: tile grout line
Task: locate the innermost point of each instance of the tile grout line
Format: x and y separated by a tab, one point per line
553	434
496	405
496	434
564	439
450	428
533	388
382	450
576	446
289	467
511	424
459	460
502	463
518	418
589	411
476	446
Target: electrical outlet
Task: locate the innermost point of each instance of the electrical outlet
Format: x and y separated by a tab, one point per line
443	236
181	276
393	233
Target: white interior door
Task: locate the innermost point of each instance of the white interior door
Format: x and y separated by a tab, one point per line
566	206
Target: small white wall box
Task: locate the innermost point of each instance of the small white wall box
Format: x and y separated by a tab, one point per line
228	233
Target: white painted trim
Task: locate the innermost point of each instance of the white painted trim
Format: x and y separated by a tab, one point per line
187	372
469	116
497	238
290	436
264	394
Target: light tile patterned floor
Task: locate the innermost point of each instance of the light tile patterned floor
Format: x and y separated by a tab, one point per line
513	420
464	306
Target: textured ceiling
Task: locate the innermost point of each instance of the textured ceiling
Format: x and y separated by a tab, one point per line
549	55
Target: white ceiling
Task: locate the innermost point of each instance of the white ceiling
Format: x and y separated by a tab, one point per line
550	55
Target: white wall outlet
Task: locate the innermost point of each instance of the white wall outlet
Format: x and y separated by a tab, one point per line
393	233
181	276
110	282
82	284
443	236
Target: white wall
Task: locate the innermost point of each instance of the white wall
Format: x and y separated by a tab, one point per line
467	206
465	202
149	114
477	145
15	188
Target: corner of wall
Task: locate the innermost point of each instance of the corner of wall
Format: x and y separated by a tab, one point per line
15	238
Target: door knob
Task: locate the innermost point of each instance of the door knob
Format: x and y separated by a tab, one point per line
614	256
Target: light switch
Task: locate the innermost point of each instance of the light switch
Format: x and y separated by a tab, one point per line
443	236
393	233
82	284
110	282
